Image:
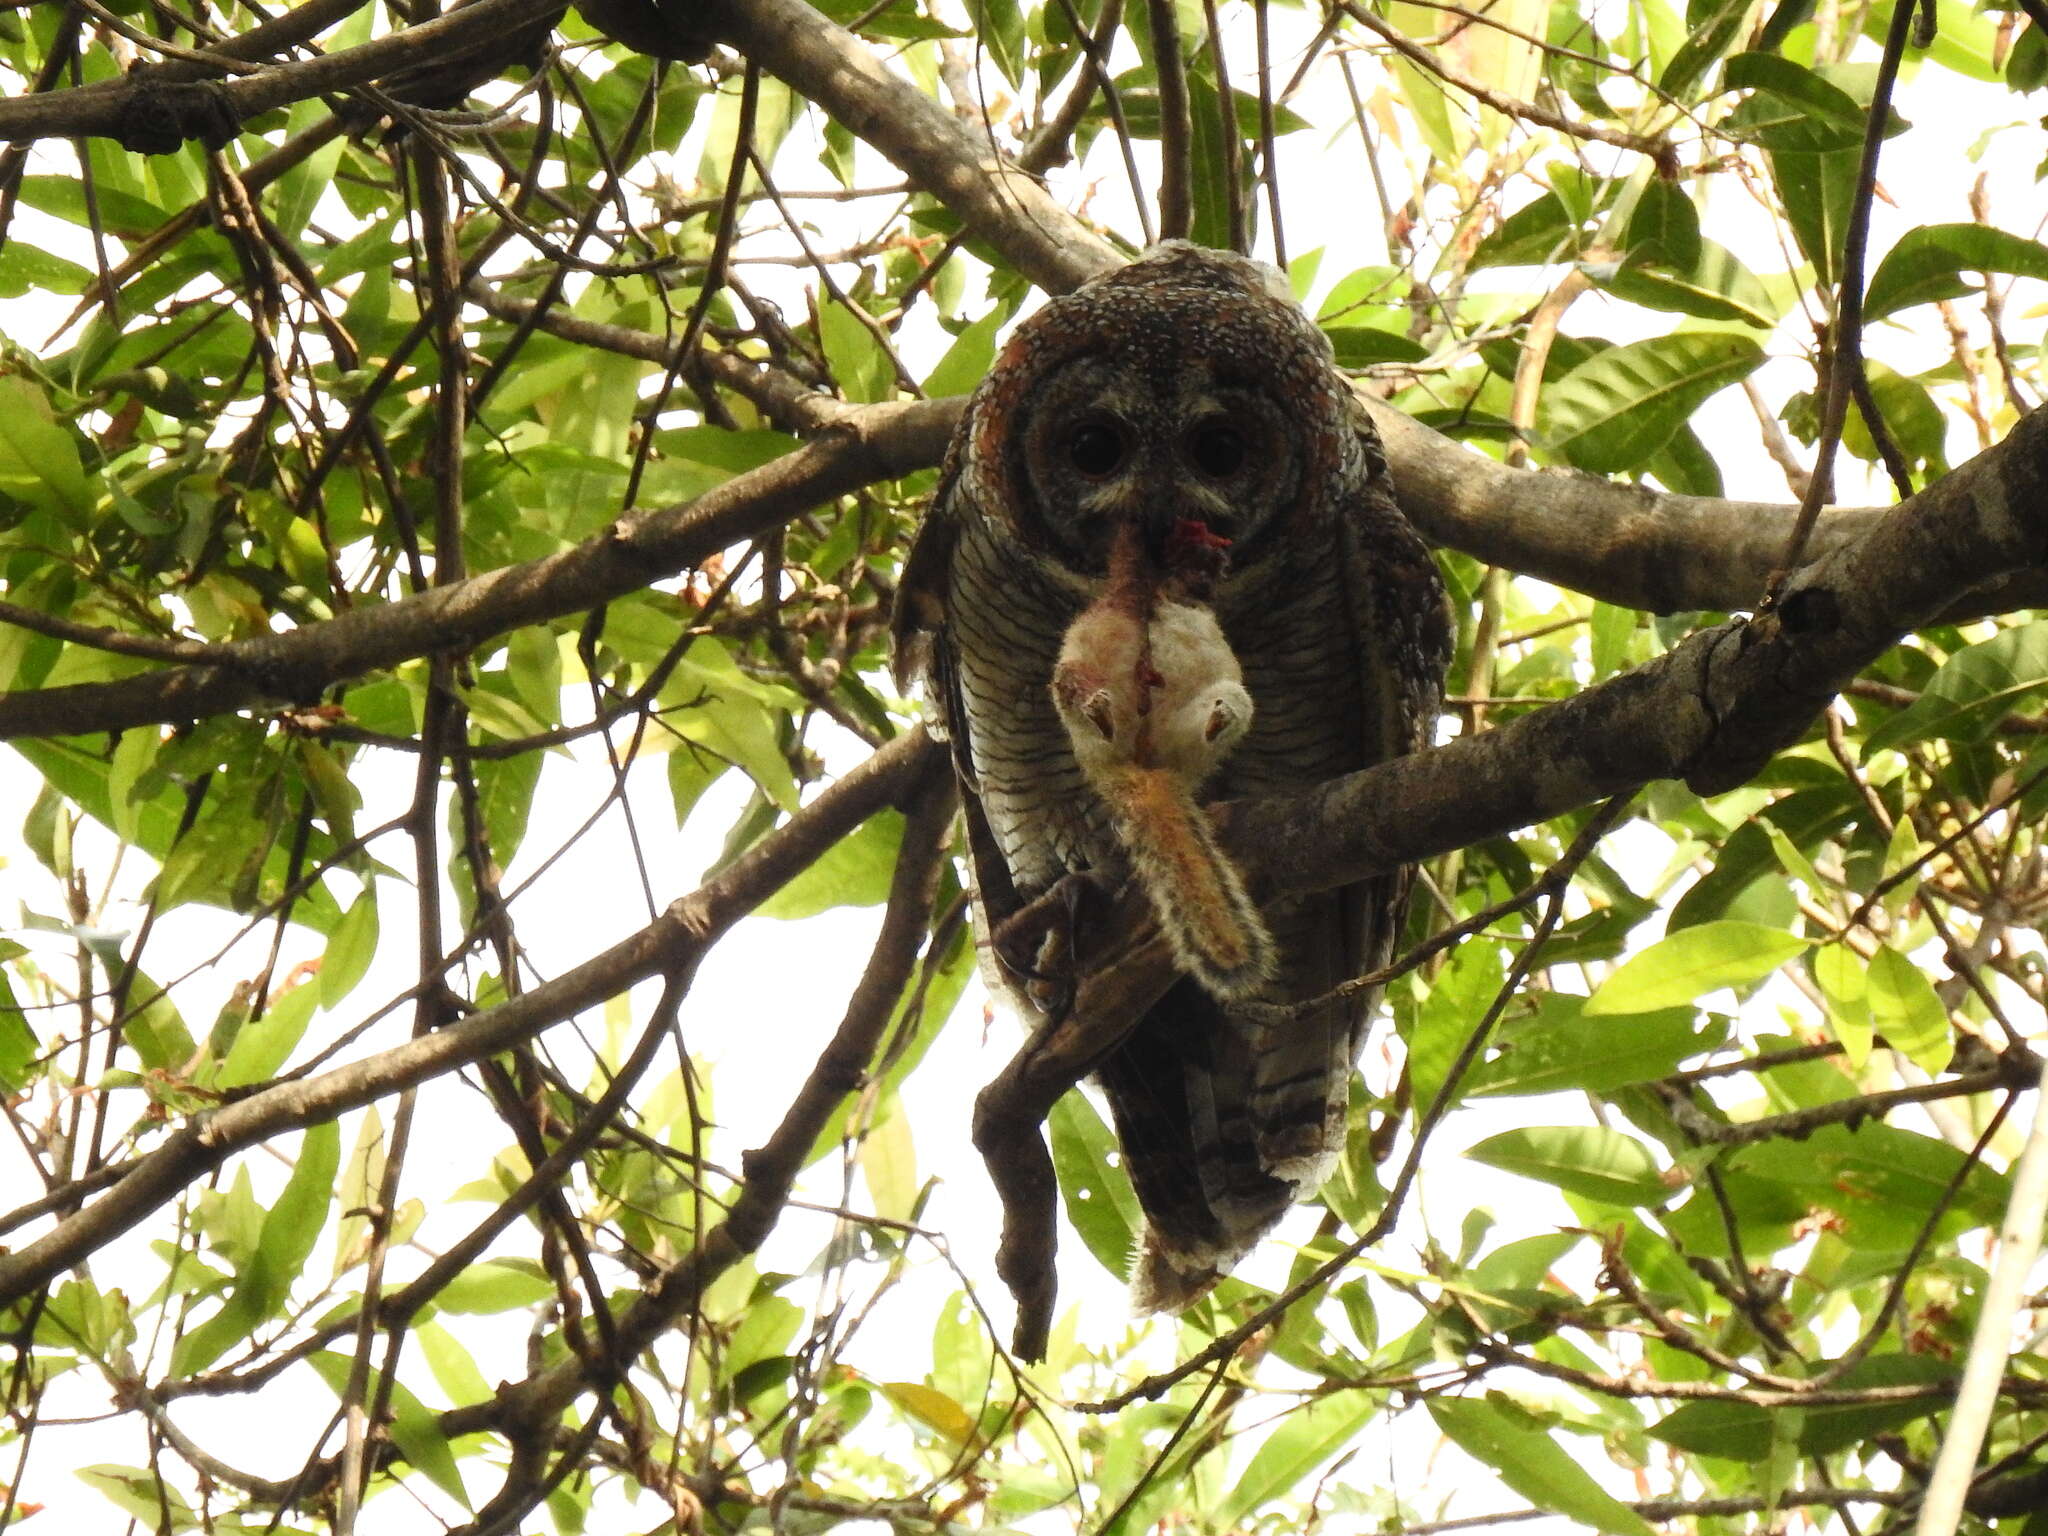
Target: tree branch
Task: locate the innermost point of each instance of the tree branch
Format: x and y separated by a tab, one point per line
126	108
939	153
1624	544
1712	711
882	443
677	940
771	1169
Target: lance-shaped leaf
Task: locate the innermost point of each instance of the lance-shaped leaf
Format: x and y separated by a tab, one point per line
1620	406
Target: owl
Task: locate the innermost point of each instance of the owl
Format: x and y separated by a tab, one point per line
1186	389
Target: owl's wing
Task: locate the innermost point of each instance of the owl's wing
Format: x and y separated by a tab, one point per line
1392	598
924	653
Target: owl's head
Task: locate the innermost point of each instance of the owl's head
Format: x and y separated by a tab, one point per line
1185	387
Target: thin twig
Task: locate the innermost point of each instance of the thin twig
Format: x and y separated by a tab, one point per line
1176	124
1844	349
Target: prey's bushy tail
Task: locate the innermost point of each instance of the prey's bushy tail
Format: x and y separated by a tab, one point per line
1217	934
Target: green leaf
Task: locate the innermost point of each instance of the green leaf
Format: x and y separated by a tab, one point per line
1972	691
1684	466
1693	962
1364	346
856	358
496	1285
1540	233
18	1045
853	872
1711	38
1882	1180
732	715
1589	1160
888	1159
1612	630
1911	419
350	948
999	27
1456	1000
1906	1011
1095	1189
1714	285
1560	1049
1532	1463
1795	863
415	1428
361	1178
764	1332
1793	109
262	1047
1816	193
39	461
110	208
1665	227
1731	1431
505	789
2026	68
1845	983
455	1369
1926	263
289	1230
1306	1439
146	1497
1828	1429
967	361
931	1408
1620	406
300	189
25	269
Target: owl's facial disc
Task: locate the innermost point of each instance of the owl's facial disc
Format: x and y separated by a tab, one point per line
1157	440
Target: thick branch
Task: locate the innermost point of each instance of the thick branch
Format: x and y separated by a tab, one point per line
953	162
295	667
1712	712
675	941
1634	546
1626	544
110	108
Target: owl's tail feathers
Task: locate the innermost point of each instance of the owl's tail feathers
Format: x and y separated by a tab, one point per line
1163	1281
1210	920
1301	1120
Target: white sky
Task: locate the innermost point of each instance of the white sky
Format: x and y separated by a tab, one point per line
771	993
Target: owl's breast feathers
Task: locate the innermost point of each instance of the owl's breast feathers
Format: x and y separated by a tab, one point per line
1336	616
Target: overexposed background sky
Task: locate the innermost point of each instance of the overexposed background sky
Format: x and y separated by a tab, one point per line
771	993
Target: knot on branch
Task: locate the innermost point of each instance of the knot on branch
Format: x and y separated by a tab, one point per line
157	116
1758	699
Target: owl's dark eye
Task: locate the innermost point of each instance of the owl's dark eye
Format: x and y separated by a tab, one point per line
1218	449
1096	448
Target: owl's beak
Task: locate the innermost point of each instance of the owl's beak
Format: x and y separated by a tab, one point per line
1156	533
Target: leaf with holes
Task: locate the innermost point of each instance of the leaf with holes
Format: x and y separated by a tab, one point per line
1097	1194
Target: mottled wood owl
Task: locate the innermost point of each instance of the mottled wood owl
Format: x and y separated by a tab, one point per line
1184	389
